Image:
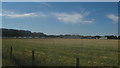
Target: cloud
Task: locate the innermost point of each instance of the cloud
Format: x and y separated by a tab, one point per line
45	4
0	14
113	17
11	14
72	17
90	21
63	17
21	15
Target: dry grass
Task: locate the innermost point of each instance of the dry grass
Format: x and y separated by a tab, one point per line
62	52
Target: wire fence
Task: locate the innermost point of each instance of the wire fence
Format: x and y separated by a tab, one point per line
33	57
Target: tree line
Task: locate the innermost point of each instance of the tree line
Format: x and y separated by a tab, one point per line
13	33
20	33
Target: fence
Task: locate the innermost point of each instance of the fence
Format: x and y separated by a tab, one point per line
33	57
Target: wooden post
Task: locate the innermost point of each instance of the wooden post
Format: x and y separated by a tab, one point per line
33	57
11	52
77	62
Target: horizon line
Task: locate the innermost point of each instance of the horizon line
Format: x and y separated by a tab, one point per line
60	34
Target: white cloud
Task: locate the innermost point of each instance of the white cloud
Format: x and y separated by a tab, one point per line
64	17
72	18
113	17
0	14
45	4
11	14
21	15
90	21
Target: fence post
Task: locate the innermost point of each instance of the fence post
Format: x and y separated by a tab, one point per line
33	57
11	52
77	62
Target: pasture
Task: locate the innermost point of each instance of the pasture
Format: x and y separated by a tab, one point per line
60	52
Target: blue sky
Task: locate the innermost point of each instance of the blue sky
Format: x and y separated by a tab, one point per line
83	18
60	0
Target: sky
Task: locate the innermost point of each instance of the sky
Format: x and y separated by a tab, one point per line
60	0
54	18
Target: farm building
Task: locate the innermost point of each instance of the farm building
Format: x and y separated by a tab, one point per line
103	37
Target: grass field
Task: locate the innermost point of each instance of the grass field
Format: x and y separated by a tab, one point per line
61	52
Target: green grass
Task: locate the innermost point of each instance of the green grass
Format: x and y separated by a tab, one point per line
60	52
